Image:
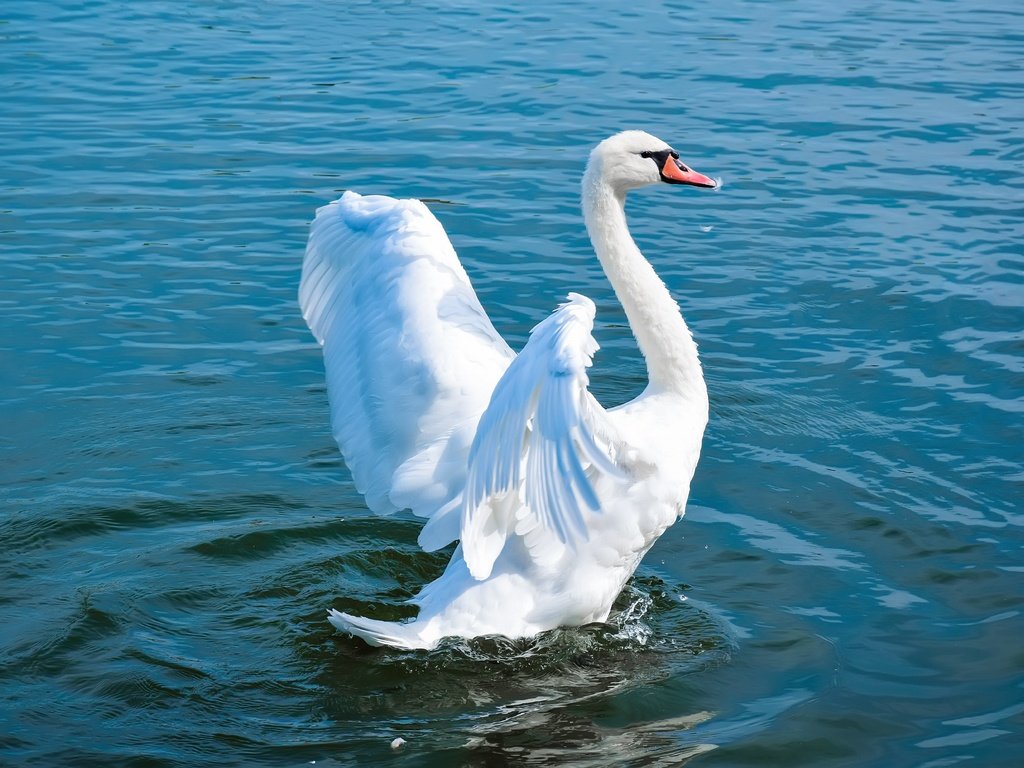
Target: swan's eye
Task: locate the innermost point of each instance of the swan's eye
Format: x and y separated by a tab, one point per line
646	154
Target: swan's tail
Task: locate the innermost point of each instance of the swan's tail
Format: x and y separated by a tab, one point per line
379	633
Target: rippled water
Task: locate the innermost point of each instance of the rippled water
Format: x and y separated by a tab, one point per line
846	588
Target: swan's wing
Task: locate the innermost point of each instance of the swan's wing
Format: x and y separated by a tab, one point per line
542	441
410	356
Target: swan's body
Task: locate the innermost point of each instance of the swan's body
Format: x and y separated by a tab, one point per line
554	500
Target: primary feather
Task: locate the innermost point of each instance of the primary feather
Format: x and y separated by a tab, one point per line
541	433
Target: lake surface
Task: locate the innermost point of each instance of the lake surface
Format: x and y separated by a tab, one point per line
847	586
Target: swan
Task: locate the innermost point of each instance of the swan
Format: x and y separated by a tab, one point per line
553	499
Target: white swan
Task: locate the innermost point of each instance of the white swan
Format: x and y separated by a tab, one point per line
554	499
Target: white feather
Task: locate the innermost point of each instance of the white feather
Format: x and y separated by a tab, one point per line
410	356
542	433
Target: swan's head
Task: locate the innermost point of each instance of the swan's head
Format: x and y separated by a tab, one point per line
633	159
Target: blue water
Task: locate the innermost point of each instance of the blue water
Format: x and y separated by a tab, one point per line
847	586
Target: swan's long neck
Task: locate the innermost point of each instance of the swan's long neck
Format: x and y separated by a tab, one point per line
653	315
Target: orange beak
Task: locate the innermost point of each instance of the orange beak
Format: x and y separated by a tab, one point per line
675	172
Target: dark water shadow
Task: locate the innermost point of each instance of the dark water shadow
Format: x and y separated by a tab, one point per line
570	696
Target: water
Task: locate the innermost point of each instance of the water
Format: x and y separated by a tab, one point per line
846	588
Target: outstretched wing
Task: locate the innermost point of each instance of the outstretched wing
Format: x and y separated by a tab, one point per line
542	441
410	356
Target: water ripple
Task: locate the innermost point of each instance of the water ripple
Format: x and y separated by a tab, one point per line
845	588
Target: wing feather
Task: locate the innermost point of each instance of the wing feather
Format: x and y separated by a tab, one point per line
410	356
540	441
